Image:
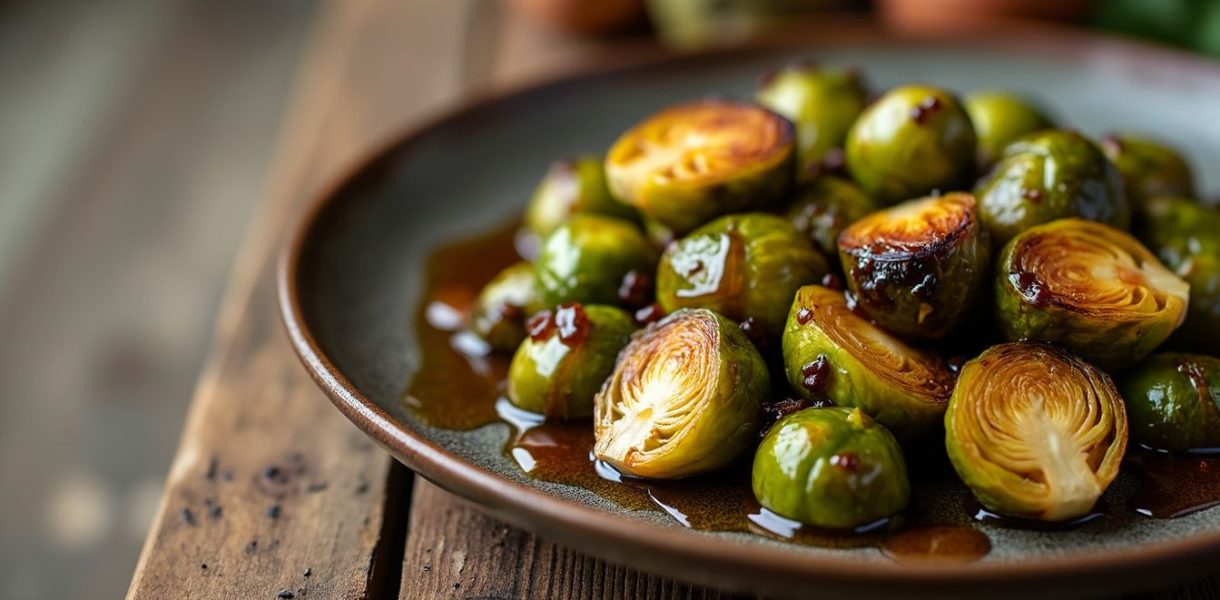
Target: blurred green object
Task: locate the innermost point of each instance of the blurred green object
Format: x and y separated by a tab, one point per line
1193	24
693	23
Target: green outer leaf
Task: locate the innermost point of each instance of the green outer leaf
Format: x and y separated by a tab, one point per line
1173	401
586	258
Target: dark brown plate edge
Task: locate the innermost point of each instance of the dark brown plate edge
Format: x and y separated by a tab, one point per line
689	555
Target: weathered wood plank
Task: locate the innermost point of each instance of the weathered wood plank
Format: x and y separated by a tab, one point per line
272	491
454	551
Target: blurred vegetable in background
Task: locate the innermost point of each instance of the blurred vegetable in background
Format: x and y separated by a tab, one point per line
1192	24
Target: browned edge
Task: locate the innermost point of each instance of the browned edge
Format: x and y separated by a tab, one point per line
636	541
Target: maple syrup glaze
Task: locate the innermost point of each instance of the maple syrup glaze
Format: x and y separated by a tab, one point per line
460	386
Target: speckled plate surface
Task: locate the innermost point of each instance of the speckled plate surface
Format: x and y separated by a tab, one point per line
351	281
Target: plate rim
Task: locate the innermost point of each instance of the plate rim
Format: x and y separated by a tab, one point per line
636	540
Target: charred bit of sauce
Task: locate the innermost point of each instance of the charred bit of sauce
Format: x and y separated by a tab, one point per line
1031	288
572	323
832	281
774	411
816	375
636	289
540	326
925	109
846	461
804	315
1033	195
649	314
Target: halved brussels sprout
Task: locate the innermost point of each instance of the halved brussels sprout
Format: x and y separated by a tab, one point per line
913	140
1089	287
499	313
1149	168
1000	118
569	353
830	467
831	353
821	103
586	259
572	186
1186	236
825	207
691	163
1035	432
1052	174
685	398
1173	401
916	268
744	266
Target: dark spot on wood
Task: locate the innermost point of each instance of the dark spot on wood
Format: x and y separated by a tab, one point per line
362	486
252	547
308	572
214	509
274	511
286	595
204	566
213	465
187	516
316	487
457	586
925	109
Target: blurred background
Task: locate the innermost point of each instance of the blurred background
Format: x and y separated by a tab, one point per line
136	140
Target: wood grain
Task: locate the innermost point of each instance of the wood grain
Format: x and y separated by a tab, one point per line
455	551
272	492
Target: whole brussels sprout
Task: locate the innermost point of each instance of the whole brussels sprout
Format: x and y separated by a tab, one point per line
1035	432
572	186
1186	236
685	398
1050	175
1149	169
691	163
569	353
502	307
913	140
587	258
1172	401
830	353
1089	287
1000	118
830	467
916	268
744	266
821	103
825	207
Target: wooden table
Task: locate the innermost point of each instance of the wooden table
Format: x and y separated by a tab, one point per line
273	493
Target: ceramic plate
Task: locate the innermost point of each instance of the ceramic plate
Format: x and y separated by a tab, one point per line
352	281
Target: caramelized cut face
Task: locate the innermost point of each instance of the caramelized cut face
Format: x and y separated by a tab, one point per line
922	225
1035	431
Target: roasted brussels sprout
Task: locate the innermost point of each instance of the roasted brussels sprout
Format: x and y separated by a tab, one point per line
1000	118
821	103
572	186
569	353
744	266
916	268
830	467
825	207
499	313
1173	401
586	259
1035	432
830	353
913	140
684	398
1149	169
1050	175
691	163
1186	236
1089	287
